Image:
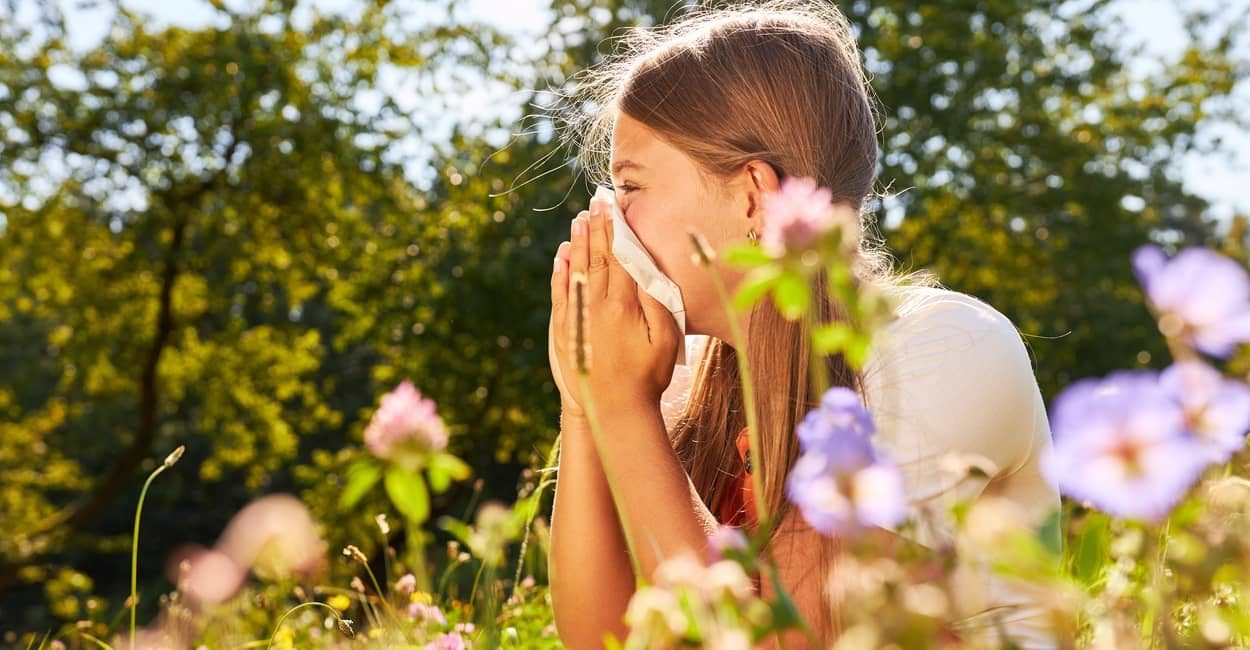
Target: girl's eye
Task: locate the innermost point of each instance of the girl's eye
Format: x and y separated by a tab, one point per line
624	188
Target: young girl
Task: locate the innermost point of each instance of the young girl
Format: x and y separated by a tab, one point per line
699	121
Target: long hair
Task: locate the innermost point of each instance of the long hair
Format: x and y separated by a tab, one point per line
779	81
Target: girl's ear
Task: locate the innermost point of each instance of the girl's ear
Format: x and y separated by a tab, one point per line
763	180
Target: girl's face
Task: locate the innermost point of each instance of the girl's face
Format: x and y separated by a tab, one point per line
662	194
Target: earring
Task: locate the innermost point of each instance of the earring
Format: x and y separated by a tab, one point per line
752	235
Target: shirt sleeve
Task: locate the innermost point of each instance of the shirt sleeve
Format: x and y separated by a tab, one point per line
950	382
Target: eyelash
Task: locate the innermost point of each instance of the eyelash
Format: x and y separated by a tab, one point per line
625	187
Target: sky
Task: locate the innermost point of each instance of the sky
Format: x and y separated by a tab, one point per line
1154	24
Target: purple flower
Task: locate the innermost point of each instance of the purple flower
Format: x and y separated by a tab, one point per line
405	419
796	216
1201	296
1120	444
1216	410
841	413
839	483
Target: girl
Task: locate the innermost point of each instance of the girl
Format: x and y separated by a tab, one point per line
697	122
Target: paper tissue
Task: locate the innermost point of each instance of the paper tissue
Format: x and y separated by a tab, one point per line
635	259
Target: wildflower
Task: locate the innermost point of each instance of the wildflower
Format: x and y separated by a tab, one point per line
840	483
495	525
723	539
406	584
656	615
1120	444
174	456
355	554
1216	410
339	602
841	413
276	536
405	419
840	494
1200	296
382	524
447	641
207	576
797	216
419	611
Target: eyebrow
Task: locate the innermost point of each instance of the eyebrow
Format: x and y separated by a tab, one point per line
625	164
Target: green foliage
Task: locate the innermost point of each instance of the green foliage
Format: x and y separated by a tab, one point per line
206	240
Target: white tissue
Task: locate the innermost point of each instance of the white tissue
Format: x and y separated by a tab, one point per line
634	257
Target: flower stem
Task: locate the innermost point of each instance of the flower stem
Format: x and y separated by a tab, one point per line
386	601
748	401
416	548
339	619
134	542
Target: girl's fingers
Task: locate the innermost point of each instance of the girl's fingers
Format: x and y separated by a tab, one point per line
600	254
560	281
621	285
580	250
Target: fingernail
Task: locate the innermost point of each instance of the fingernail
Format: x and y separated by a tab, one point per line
579	227
555	264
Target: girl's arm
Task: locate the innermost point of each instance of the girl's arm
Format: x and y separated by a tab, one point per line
664	513
589	570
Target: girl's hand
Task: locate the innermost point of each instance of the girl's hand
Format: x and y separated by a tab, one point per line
632	337
559	354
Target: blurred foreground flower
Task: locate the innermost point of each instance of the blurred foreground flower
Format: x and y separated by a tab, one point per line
797	216
840	483
274	536
206	576
1120	443
1216	410
688	602
405	418
1200	297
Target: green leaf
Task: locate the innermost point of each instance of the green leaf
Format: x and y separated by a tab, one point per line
785	613
1091	548
754	286
1050	533
407	491
746	256
791	294
457	528
444	468
362	475
831	338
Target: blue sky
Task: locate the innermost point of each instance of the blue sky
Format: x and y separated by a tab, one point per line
1155	24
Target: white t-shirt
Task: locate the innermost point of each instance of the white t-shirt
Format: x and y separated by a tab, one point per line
951	375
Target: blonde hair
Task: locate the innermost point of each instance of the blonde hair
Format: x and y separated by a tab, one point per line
778	81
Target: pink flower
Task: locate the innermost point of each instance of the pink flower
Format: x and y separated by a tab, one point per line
419	611
446	641
275	535
723	539
404	417
206	576
797	216
406	584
